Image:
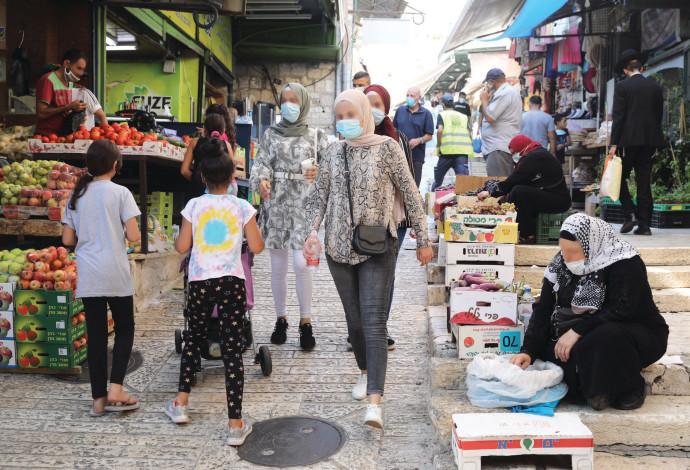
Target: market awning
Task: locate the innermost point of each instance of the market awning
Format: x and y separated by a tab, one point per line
532	14
455	74
481	18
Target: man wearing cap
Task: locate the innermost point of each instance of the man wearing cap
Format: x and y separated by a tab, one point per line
502	108
417	123
637	112
454	142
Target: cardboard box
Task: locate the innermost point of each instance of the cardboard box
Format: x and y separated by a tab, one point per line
479	220
505	233
480	253
465	183
6	297
54	356
494	273
47	303
6	325
42	329
480	339
441	203
478	307
8	353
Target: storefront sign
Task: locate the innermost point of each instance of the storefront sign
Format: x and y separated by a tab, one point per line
219	40
183	21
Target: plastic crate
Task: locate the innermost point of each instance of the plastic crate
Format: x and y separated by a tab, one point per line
612	213
670	219
671	206
549	227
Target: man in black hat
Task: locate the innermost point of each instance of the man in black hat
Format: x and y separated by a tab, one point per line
637	112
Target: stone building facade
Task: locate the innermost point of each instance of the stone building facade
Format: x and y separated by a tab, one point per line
318	77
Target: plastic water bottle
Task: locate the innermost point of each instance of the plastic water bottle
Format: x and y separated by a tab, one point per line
314	245
525	307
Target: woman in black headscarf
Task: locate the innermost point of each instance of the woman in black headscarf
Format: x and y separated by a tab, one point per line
596	317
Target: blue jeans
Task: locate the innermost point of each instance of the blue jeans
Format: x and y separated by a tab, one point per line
402	231
458	164
364	291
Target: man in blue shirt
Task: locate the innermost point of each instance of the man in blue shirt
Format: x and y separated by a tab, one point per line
417	123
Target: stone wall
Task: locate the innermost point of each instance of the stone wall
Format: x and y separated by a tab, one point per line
252	81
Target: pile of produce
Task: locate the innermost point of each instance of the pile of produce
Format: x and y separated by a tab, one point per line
51	269
487	208
489	186
477	281
13	142
119	134
38	183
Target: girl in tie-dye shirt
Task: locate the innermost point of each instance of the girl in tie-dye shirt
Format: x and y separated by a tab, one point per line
213	226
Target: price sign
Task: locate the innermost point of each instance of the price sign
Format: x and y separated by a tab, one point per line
510	341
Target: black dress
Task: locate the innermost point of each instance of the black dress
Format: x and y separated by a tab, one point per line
626	335
197	187
536	185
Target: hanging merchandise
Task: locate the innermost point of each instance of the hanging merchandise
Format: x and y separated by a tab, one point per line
493	382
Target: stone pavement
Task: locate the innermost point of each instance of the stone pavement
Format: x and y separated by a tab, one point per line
46	423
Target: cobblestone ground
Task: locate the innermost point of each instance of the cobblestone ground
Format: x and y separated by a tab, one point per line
46	423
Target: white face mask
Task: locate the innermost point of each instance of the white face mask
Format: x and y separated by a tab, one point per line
70	76
577	267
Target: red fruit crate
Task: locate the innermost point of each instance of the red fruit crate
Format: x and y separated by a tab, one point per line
25	212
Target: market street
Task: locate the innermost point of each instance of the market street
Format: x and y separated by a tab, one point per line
47	424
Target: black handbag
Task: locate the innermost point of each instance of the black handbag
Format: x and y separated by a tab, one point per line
367	240
563	319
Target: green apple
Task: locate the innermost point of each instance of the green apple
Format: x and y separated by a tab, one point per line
4	266
16	268
8	256
16	251
14	200
14	279
6	169
4	278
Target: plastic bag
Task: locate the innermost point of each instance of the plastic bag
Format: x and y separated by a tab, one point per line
477	145
493	382
611	179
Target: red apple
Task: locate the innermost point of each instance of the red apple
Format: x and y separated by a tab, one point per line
51	203
59	275
61	185
24	201
70	269
32	256
52	184
55	174
76	344
47	194
70	276
34	202
46	257
61	250
49	276
25	192
41	266
24	285
71	186
48	285
33	285
36	192
57	166
39	276
65	169
63	203
56	264
66	177
62	285
27	274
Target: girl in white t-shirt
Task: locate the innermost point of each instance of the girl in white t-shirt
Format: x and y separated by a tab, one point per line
213	226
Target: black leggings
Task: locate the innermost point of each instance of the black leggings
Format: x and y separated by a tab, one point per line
96	310
228	293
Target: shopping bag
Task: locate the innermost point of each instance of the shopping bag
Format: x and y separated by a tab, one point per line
611	179
477	145
493	382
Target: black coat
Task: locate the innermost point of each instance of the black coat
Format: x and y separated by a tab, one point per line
538	169
637	111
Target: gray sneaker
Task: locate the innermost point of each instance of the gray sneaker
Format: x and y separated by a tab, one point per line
178	414
236	436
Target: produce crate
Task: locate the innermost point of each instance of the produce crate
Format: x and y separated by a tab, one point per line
549	227
671	218
54	356
25	212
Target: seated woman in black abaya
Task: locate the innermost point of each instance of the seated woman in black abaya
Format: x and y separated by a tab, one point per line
535	186
596	317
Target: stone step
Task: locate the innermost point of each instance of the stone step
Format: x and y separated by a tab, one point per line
660	426
540	255
660	277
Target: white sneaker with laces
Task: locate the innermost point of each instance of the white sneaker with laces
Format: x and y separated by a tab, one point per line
237	436
374	416
359	391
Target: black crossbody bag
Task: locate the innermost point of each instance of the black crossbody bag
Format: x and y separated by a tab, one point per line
367	240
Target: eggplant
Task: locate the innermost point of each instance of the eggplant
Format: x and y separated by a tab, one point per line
489	286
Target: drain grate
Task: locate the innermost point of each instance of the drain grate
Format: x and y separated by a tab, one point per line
136	360
292	441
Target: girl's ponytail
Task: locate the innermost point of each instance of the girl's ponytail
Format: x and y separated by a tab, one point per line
79	190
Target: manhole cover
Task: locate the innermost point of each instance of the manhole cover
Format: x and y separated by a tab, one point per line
292	441
135	361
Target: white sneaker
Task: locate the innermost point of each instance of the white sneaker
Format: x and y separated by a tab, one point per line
359	391
374	417
178	413
236	436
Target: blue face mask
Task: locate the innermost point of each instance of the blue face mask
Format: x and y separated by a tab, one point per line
349	128
289	111
410	102
516	157
461	100
379	115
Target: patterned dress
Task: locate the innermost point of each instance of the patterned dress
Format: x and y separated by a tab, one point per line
375	173
282	217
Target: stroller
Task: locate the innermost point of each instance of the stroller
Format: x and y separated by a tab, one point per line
211	351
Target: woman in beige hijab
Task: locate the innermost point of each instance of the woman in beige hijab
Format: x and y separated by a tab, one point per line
377	167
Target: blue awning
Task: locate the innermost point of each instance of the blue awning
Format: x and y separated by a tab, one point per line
532	14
